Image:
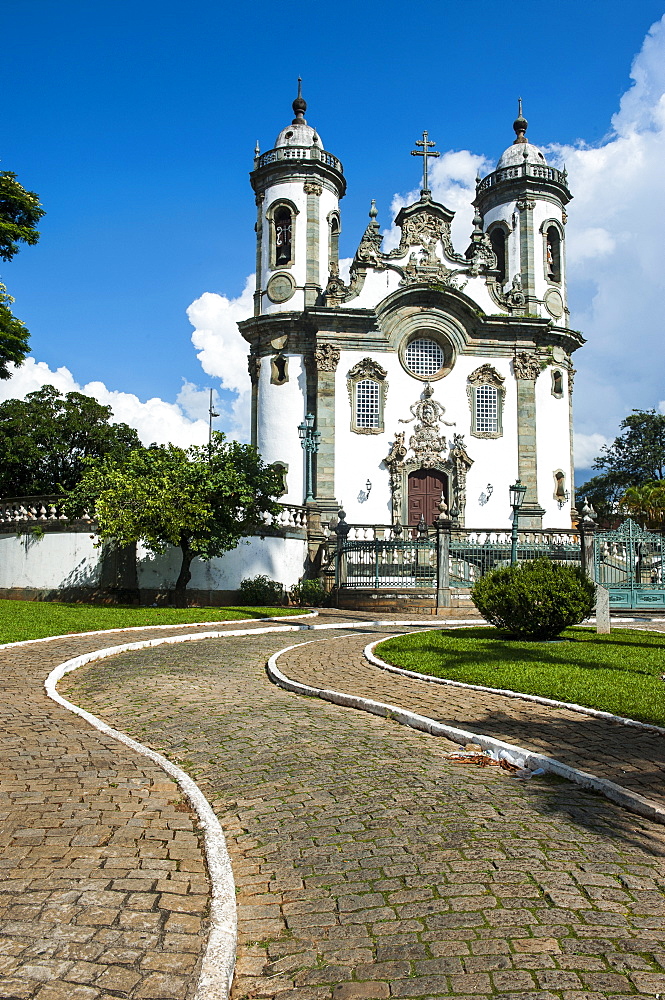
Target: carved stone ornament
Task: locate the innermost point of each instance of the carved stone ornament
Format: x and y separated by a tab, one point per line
254	367
514	299
571	379
430	272
311	187
326	357
367	368
369	249
427	442
526	366
461	464
524	204
486	375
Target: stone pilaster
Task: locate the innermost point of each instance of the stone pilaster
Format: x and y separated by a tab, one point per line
259	254
312	288
527	370
326	358
527	250
254	369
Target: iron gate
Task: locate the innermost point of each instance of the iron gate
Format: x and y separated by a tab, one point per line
628	562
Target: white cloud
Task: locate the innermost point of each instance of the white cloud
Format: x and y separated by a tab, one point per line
587	447
616	281
154	420
221	349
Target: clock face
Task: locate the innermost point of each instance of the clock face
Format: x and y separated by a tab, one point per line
280	287
554	303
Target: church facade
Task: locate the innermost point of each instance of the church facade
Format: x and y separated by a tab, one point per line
432	378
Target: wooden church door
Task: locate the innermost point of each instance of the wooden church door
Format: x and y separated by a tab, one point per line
425	488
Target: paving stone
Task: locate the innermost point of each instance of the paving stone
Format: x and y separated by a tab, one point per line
321	806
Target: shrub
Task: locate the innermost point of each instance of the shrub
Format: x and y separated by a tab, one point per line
535	600
309	593
260	592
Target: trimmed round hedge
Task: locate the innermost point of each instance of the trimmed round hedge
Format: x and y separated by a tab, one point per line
535	600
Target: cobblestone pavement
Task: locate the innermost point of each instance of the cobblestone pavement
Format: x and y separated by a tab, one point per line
368	866
104	890
634	758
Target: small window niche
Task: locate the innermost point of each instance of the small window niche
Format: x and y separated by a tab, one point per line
557	383
561	494
279	370
334	229
486	392
281	217
281	468
367	386
553	254
499	238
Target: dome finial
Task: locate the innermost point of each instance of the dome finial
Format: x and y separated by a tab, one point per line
520	124
299	106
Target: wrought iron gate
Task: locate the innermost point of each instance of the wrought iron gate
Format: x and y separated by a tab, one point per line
628	562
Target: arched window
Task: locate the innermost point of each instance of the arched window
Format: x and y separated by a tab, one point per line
367	404
553	253
557	383
485	391
561	494
335	228
283	225
498	240
281	468
367	392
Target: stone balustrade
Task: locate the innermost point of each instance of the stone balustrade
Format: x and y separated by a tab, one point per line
47	512
299	153
524	170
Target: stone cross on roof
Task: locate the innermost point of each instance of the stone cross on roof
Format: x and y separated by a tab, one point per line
424	152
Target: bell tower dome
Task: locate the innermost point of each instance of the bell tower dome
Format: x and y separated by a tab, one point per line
298	186
523	207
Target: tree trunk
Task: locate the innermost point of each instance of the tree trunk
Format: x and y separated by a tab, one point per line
185	575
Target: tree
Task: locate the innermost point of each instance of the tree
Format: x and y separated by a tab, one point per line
636	457
45	438
202	500
20	212
646	503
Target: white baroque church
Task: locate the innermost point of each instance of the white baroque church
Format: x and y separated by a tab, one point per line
437	375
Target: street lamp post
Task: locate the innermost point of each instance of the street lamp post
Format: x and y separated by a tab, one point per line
309	440
517	491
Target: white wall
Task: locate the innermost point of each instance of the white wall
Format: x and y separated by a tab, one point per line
61	560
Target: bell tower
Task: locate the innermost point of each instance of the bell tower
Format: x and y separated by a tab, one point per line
298	186
523	208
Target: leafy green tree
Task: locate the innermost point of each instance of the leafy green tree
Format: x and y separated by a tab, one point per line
45	438
20	212
636	457
202	500
646	503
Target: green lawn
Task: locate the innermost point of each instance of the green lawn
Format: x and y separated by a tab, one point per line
37	619
619	673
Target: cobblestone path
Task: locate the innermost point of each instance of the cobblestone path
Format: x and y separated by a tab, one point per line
103	889
368	866
634	758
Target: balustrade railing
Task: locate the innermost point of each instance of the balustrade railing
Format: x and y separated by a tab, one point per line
299	153
47	510
524	170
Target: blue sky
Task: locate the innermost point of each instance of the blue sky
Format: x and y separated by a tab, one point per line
136	120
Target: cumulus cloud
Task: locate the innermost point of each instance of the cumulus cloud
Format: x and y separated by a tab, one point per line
587	447
221	349
155	420
616	281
